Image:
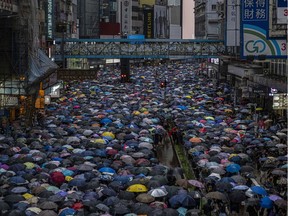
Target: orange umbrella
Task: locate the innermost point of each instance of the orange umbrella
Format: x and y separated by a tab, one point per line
195	140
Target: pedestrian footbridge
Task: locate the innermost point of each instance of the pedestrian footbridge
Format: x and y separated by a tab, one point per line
137	48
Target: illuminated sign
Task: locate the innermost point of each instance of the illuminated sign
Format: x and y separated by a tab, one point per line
280	101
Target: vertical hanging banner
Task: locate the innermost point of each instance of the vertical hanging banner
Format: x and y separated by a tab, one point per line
282	12
49	19
232	23
148	23
126	17
255	32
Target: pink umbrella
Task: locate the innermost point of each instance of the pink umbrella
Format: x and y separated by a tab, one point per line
196	183
274	197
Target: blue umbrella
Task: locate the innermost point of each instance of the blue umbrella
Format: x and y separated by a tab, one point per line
233	168
182	200
266	202
123	179
259	190
17	180
182	107
107	170
227	179
67	212
106	121
77	182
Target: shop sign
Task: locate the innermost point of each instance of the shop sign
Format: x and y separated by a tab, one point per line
255	32
280	101
8	100
71	74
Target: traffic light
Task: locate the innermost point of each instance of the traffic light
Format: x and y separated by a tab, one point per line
125	70
163	84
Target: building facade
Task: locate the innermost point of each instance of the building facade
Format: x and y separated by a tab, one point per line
206	19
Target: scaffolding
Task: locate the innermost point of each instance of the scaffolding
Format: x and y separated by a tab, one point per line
22	63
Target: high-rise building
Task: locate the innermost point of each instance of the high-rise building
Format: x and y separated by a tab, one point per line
89	18
206	19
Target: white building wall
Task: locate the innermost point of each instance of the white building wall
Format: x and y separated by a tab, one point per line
188	19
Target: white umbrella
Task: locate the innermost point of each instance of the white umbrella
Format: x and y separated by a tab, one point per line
158	192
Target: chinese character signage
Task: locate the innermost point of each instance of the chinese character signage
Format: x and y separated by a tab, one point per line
126	17
232	23
49	18
255	31
282	12
280	101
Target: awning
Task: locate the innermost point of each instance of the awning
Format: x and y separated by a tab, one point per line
40	65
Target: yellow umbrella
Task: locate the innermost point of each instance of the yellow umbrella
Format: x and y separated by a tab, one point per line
209	117
29	165
27	196
99	141
136	113
136	188
232	155
108	134
68	178
228	110
143	109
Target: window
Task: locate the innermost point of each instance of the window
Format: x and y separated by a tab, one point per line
213	7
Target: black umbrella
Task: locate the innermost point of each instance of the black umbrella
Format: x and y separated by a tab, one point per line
102	207
237	196
48	205
47	213
13	198
141	208
4	206
247	169
223	186
108	192
110	201
120	209
126	195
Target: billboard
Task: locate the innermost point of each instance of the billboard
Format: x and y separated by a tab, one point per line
232	37
255	32
282	11
148	23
